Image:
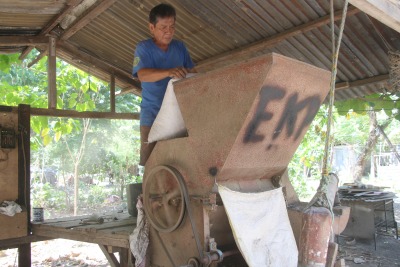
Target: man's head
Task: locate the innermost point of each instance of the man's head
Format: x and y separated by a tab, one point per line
162	23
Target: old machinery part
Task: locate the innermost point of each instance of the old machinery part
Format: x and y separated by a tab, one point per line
193	262
163	199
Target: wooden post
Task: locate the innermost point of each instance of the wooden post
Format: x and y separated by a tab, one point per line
51	74
24	185
112	92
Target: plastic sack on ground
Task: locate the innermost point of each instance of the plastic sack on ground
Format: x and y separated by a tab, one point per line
169	121
261	227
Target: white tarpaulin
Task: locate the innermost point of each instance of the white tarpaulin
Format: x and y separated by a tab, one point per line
169	121
261	227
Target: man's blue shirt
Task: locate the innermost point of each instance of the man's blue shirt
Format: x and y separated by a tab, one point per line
149	55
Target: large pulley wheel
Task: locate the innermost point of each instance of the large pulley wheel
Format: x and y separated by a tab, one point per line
163	198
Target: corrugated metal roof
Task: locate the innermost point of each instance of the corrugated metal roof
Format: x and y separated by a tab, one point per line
229	31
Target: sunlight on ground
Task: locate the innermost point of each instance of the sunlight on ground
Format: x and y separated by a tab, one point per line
58	252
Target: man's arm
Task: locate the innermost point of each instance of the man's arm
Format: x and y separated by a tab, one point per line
154	75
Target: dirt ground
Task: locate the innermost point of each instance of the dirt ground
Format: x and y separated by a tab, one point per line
68	253
387	253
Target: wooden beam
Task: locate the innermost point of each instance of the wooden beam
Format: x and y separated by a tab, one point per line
110	256
86	114
24	255
71	4
15	242
363	82
24	182
78	56
249	50
23	40
112	93
39	57
52	74
91	14
386	11
63	13
25	53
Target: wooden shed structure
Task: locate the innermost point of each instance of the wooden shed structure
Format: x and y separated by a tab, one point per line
99	37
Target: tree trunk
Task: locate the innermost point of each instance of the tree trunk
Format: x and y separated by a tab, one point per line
370	145
371	142
76	188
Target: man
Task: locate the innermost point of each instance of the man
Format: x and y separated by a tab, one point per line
156	61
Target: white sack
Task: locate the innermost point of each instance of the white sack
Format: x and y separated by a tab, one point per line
169	121
9	208
261	227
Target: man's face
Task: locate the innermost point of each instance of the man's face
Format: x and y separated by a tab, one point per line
164	30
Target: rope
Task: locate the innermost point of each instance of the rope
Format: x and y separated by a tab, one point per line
320	199
335	57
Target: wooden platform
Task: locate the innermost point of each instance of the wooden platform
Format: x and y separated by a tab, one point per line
112	235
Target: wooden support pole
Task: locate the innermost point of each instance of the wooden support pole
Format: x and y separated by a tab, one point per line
51	73
112	92
24	250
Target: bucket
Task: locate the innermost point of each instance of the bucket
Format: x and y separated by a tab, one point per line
37	214
132	193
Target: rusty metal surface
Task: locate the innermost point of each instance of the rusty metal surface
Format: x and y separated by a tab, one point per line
244	123
314	237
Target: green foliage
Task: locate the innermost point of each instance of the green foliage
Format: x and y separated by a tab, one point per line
47	196
305	166
388	102
111	145
6	61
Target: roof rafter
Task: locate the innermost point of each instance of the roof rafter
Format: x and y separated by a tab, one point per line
91	14
386	11
70	5
249	50
23	40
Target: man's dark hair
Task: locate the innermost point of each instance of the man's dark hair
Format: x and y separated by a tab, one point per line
161	11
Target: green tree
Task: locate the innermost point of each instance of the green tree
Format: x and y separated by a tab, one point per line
76	90
369	105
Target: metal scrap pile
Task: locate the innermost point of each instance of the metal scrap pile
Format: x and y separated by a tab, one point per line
368	193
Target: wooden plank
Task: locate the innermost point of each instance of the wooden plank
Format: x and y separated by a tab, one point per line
52	74
111	232
110	257
71	4
24	162
87	114
112	93
15	242
39	57
386	11
24	255
363	82
13	226
90	15
9	161
23	40
111	239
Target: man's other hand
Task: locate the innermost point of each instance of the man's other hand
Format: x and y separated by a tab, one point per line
178	73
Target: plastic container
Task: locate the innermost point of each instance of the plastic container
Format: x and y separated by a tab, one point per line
37	215
133	191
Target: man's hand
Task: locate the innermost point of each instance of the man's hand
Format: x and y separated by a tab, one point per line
178	73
